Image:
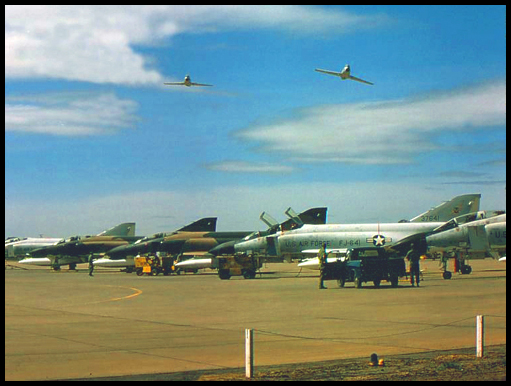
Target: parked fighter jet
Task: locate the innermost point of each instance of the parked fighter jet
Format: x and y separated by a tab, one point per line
314	216
307	239
474	236
76	249
16	247
187	82
344	74
190	241
165	242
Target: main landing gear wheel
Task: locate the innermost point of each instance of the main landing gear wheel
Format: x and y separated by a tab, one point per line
447	275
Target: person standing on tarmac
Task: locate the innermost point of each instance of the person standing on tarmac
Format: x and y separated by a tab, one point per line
414	257
91	265
322	265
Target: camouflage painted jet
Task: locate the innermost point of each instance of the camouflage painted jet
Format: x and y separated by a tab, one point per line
187	242
310	216
76	249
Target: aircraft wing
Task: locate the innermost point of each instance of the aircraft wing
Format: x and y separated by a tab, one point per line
328	72
360	80
174	83
201	84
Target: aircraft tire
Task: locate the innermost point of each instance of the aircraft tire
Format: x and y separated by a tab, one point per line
447	275
376	283
224	274
341	282
140	272
248	274
358	282
394	281
466	269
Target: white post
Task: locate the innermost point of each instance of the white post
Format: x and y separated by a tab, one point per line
479	336
249	352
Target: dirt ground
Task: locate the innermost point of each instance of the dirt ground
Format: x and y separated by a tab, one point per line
455	365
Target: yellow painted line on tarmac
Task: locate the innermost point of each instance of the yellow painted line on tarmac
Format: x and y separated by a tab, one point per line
137	292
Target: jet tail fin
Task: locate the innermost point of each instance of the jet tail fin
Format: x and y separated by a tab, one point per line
207	224
459	205
124	229
310	216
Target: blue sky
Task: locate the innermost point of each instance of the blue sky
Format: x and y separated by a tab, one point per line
93	138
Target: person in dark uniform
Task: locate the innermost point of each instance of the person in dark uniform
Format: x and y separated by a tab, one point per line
414	257
91	265
322	265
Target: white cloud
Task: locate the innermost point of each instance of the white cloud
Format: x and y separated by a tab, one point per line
380	133
70	114
237	206
94	43
249	167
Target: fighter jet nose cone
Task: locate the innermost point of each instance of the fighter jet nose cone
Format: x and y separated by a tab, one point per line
223	249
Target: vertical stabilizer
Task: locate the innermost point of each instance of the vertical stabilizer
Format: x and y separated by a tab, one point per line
458	206
124	229
207	224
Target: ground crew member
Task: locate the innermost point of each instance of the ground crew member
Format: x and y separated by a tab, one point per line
91	265
414	257
322	265
56	265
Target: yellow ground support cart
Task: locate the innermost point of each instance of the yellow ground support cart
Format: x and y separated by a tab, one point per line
237	265
153	265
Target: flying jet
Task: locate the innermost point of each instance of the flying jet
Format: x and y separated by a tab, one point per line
307	239
474	236
76	249
187	82
344	74
19	247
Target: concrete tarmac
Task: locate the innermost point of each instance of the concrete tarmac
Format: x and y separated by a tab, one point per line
65	325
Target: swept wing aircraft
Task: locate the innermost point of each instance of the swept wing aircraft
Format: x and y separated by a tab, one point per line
17	247
190	241
187	82
475	236
76	249
310	216
344	74
307	239
251	242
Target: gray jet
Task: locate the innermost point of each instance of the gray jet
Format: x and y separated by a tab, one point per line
474	236
187	82
344	74
307	239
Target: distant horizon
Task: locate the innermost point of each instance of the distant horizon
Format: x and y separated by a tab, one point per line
93	138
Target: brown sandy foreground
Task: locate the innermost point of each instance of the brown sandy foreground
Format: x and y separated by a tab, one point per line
452	365
117	326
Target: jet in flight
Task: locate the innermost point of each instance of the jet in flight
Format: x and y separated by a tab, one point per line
187	82
344	74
